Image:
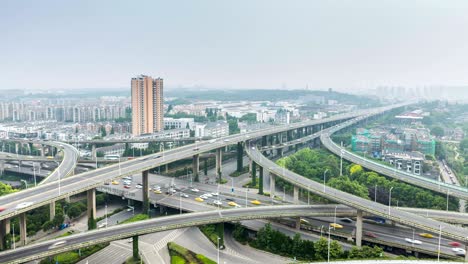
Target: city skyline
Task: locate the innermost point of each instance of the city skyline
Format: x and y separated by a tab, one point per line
350	46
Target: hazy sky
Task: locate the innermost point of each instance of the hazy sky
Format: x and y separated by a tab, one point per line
236	44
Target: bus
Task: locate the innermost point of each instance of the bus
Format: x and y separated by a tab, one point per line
112	157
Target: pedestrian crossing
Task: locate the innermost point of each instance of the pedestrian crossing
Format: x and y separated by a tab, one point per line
170	237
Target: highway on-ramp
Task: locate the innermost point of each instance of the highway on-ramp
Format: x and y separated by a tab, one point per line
350	200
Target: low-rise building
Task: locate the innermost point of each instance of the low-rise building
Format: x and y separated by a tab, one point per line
411	162
212	129
174	123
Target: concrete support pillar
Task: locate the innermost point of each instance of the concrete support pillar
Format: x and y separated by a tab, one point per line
219	162
91	198
136	255
4	230
466	253
23	229
254	174
240	155
296	194
359	228
298	223
16	147
196	167
93	151
42	151
260	180
145	190
272	185
166	168
52	211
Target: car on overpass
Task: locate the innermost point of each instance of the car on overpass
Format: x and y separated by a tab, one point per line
336	226
256	202
426	235
413	241
198	199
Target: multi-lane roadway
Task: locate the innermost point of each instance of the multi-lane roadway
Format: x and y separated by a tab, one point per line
52	191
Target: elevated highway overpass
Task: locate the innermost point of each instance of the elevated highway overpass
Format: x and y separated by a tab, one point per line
56	246
420	181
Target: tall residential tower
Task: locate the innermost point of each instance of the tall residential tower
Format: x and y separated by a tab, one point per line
147	105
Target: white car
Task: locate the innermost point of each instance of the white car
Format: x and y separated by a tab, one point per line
184	195
203	196
23	205
217	202
194	190
413	241
101	225
58	244
227	140
208	195
459	251
215	194
139	186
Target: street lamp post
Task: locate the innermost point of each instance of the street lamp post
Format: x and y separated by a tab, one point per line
105	212
308	196
447	199
341	159
218	250
34	171
246	192
390	200
180	202
324	174
334	219
438	247
328	251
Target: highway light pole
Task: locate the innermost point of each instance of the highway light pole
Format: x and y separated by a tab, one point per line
447	199
218	250
341	159
438	247
334	219
308	196
34	171
324	174
390	200
328	251
180	202
105	212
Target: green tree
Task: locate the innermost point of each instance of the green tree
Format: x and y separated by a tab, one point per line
47	225
103	131
6	189
58	219
464	144
343	183
321	249
437	131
